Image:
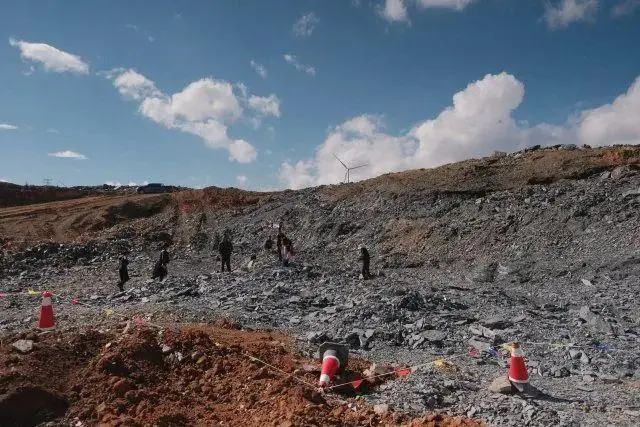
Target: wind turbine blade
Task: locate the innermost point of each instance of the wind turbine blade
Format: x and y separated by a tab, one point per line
341	162
360	166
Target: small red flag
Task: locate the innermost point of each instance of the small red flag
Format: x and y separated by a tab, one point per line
356	383
473	352
403	372
74	301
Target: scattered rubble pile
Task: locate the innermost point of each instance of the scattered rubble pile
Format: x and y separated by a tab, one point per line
539	247
198	375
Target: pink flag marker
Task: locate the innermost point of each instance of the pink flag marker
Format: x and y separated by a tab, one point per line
403	372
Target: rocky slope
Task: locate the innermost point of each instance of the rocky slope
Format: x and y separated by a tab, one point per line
539	247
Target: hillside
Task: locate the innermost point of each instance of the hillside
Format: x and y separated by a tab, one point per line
539	247
72	217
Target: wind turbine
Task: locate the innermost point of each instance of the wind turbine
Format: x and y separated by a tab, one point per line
347	174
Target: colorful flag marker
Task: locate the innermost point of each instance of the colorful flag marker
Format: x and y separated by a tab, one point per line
402	373
74	301
32	292
439	363
109	311
139	320
356	383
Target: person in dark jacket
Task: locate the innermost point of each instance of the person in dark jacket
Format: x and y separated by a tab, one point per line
124	272
164	257
160	270
364	257
225	248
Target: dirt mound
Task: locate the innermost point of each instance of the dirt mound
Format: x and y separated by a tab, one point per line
501	171
211	199
198	375
19	195
70	220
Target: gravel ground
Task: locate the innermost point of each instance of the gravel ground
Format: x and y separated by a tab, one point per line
555	267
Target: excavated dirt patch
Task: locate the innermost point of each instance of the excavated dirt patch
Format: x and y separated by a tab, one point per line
195	375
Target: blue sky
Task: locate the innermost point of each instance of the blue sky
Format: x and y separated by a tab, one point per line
262	94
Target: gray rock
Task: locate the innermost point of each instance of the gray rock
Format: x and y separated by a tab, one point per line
501	385
23	346
559	372
596	322
619	172
497	322
480	345
584	359
481	331
434	336
485	273
381	408
574	353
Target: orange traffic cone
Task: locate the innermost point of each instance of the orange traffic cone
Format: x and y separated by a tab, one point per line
517	369
45	320
334	360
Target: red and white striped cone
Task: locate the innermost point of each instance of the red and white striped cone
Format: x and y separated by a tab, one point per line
334	360
45	319
518	374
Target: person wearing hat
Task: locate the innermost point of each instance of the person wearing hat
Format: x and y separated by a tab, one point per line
364	257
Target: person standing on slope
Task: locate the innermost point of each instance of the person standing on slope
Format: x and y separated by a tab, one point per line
365	258
225	248
160	269
124	272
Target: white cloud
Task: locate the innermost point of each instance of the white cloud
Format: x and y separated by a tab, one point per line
132	184
133	85
625	7
567	11
394	11
7	126
3	180
68	155
397	10
204	108
478	122
52	130
615	123
51	58
291	59
305	25
242	179
445	4
258	68
241	151
113	183
265	105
